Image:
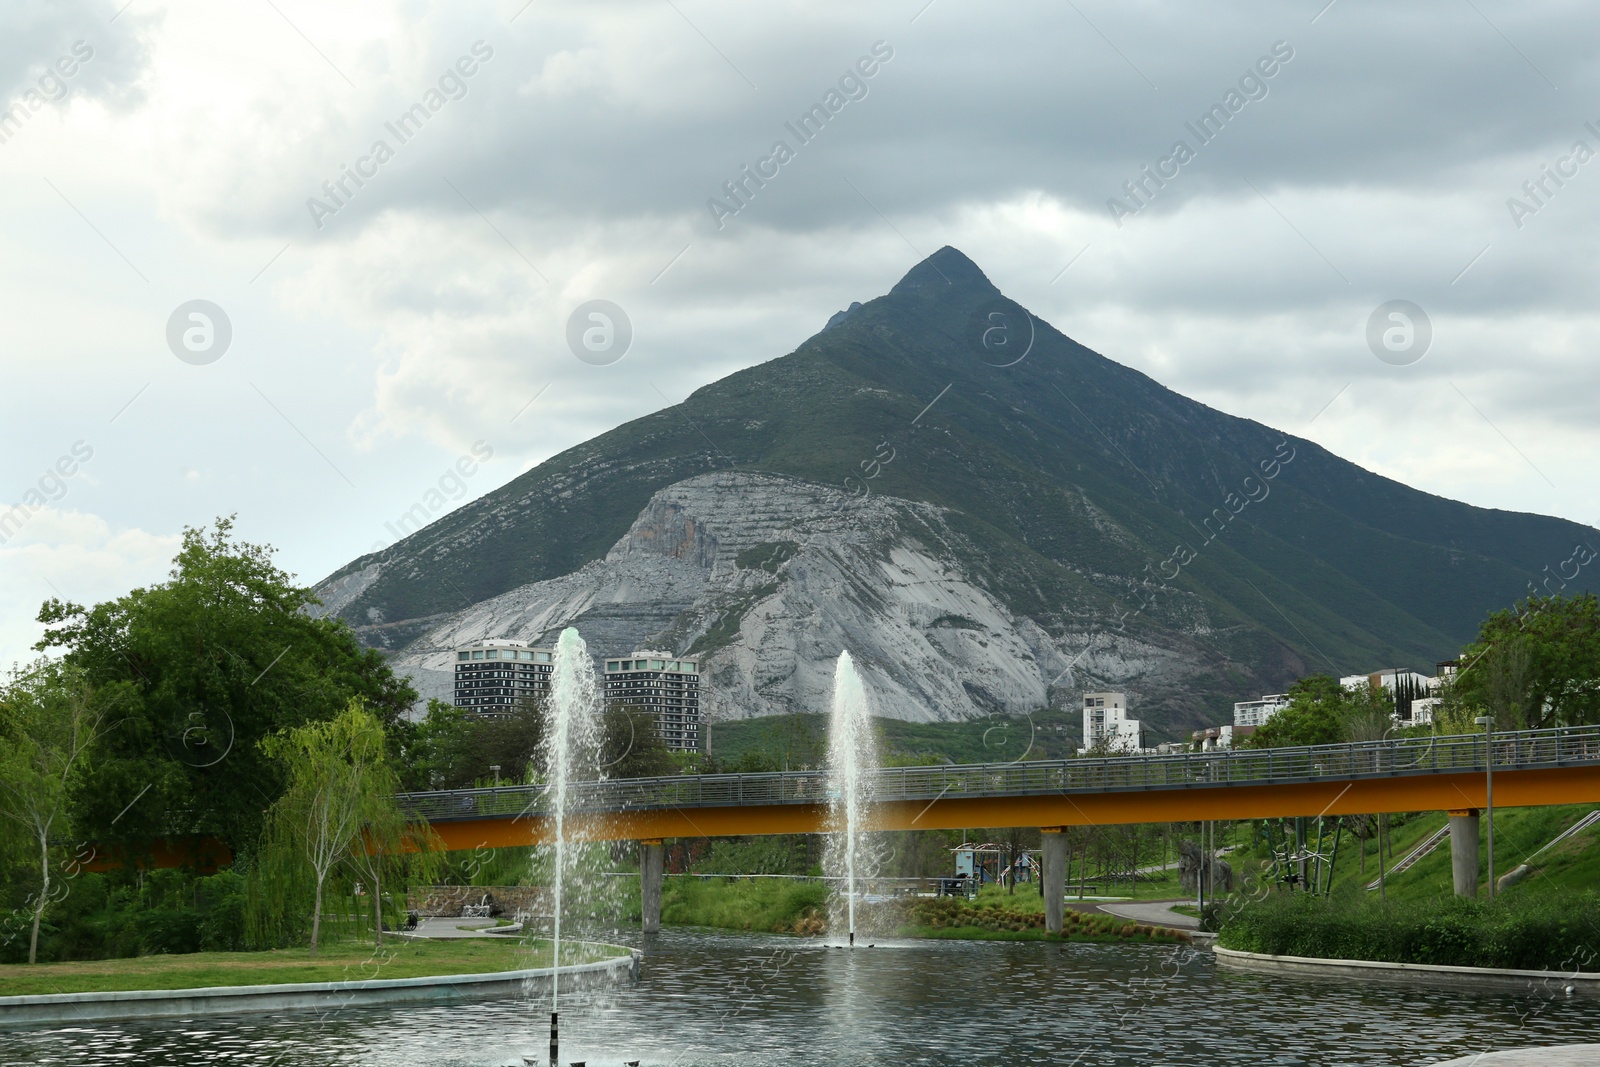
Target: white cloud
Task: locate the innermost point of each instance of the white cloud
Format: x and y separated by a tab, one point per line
77	557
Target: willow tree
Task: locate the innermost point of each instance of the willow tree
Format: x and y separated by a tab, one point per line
340	784
50	718
390	848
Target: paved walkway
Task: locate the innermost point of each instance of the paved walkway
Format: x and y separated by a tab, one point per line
1155	912
1557	1056
450	926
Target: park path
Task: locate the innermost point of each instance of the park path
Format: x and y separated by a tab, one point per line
1155	912
450	926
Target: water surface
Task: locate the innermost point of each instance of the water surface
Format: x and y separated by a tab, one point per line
724	999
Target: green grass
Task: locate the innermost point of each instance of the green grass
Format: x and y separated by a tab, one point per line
1519	832
343	962
800	740
1558	931
978	933
780	906
768	904
995	916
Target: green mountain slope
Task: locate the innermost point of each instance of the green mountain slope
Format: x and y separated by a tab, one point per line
1080	489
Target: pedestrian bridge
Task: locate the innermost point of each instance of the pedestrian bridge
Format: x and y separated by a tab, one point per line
1530	767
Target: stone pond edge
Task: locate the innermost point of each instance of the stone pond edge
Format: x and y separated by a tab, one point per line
46	1009
1586	982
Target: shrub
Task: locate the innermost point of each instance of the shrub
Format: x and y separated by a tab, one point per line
1559	932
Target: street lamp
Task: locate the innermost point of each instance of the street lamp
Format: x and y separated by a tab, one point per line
1487	722
495	767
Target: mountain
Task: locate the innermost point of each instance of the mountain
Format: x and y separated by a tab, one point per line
988	515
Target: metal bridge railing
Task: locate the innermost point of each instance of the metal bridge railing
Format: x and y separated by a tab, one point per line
1512	750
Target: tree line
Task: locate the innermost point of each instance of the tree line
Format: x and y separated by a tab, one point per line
220	711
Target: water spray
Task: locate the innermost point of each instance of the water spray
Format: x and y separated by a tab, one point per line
852	761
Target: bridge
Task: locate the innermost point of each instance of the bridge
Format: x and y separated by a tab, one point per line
1530	768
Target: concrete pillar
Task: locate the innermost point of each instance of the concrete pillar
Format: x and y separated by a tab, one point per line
652	857
1464	851
1053	876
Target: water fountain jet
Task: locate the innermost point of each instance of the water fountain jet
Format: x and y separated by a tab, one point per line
852	763
571	749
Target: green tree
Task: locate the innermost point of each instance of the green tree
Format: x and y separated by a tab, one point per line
340	789
437	747
1322	712
50	719
631	746
1535	665
453	748
1312	717
224	653
392	850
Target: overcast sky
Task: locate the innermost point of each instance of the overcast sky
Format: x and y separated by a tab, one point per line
556	153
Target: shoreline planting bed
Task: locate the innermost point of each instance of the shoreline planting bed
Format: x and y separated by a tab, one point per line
1556	932
343	962
999	917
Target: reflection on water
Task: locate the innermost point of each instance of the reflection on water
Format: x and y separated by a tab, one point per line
711	998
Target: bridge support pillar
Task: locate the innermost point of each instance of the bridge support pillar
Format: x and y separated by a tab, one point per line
1053	877
652	860
1464	851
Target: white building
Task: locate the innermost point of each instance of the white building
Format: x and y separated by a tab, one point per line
1387	678
1213	738
1106	724
1423	710
1257	712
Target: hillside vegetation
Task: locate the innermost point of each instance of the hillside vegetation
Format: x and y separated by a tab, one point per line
1079	492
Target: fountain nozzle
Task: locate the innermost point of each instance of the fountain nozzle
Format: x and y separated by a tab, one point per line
555	1038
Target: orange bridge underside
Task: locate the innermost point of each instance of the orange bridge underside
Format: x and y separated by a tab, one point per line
1427	792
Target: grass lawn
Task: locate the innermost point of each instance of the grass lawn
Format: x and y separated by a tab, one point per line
345	962
1519	832
766	904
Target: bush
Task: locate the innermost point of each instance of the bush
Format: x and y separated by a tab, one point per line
168	930
118	914
766	904
222	927
1557	932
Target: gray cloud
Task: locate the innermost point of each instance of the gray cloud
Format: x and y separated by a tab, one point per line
579	160
105	49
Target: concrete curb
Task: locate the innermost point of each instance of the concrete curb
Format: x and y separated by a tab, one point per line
54	1008
1554	983
1551	1056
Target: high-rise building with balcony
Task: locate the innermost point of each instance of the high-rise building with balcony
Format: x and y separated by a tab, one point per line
665	686
492	676
1257	712
1106	724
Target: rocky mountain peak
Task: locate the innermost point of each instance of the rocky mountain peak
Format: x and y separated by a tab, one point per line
946	269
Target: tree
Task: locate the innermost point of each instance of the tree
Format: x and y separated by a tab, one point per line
1535	665
455	749
224	653
1322	712
1313	717
391	847
340	784
631	746
1367	714
1014	840
50	721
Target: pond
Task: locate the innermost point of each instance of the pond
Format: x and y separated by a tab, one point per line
709	997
